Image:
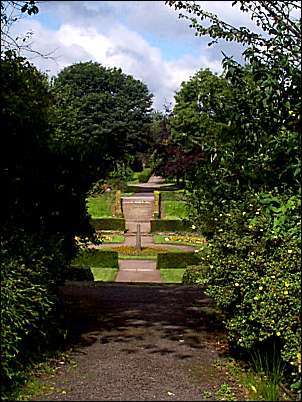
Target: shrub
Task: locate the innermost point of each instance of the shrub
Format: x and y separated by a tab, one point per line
78	273
97	258
29	315
157	202
117	207
176	260
254	274
193	274
108	223
169	225
145	175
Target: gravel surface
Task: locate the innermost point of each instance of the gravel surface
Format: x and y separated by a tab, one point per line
139	342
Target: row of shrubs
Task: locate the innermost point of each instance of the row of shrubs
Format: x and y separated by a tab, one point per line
80	268
157	225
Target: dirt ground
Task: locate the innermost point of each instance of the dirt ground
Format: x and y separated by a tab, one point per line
140	342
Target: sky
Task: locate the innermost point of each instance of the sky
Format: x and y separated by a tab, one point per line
144	38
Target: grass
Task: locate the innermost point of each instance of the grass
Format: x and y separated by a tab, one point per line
104	274
174	210
177	195
262	379
172	275
101	206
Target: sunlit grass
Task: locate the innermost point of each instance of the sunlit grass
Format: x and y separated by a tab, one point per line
172	275
101	206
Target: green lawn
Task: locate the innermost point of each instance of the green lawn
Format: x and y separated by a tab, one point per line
104	274
173	210
172	275
101	206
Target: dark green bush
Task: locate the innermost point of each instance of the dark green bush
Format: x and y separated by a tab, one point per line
97	258
108	223
29	314
78	273
176	260
169	225
193	274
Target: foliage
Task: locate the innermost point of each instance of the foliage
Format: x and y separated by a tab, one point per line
78	273
181	238
108	224
104	274
170	225
97	258
245	194
176	260
193	274
29	310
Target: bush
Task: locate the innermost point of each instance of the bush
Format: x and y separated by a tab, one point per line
144	176
176	260
157	202
78	273
97	258
193	274
254	274
108	223
169	225
29	316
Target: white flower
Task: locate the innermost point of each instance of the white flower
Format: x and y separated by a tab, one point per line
167	239
289	251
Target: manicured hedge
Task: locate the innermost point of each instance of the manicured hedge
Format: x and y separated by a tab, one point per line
97	258
169	225
79	273
176	260
108	223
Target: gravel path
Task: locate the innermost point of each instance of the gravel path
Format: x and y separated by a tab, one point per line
139	342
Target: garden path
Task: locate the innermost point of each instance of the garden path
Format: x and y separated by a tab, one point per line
138	342
140	213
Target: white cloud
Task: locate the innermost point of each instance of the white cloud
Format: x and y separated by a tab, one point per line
113	34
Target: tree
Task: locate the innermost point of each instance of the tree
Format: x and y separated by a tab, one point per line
247	198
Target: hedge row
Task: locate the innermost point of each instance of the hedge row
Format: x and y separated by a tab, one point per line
79	273
170	225
176	260
108	223
97	258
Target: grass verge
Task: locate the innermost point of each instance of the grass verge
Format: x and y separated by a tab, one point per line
101	206
172	275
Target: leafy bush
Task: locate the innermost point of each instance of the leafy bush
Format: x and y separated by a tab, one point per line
193	274
176	260
97	258
29	314
169	225
108	223
145	175
254	273
78	273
